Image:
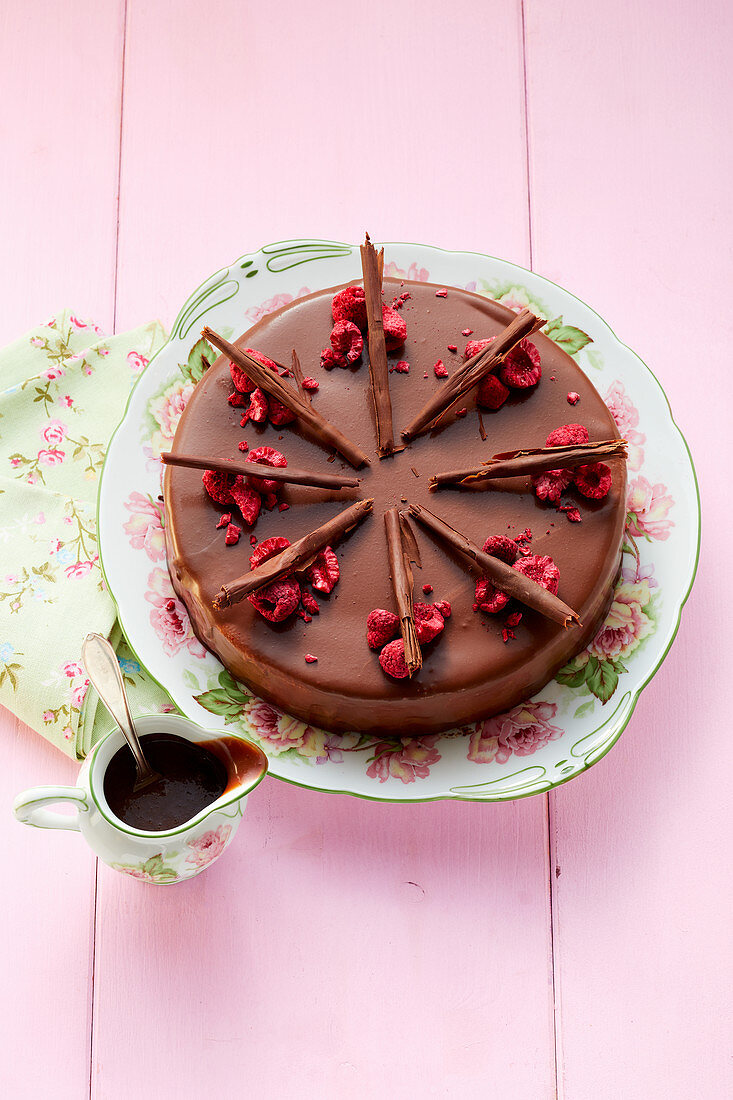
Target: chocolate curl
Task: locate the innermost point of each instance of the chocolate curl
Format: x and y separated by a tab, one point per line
293	558
272	383
470	373
400	570
499	573
299	378
519	463
372	266
289	475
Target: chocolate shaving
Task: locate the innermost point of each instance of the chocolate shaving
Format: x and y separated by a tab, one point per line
299	378
409	542
470	373
372	266
519	463
400	570
505	578
293	558
287	474
322	430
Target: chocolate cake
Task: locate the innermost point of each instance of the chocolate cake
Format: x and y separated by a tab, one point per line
316	663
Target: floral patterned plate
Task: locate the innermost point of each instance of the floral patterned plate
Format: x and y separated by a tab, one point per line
567	726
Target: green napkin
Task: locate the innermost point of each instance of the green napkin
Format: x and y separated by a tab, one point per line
63	389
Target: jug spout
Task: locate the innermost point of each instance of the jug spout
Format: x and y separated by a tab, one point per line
245	762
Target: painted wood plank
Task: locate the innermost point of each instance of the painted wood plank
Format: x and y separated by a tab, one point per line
631	157
46	926
341	948
60	72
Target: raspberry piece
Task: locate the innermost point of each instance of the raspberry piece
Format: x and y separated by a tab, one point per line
350	305
224	519
247	500
238	400
347	341
514	619
593	481
382	627
441	371
278	600
567	435
258	406
324	573
309	602
282	506
243	446
266	456
279	413
573	398
461	413
488	597
310	384
491	393
232	536
329	359
218	485
310	659
242	382
395	329
499	546
444	608
551	484
541	569
403	367
473	347
392	659
521	368
427	588
441	293
452	347
428	622
573	515
269	500
267	549
466	332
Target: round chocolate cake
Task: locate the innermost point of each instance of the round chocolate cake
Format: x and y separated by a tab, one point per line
316	663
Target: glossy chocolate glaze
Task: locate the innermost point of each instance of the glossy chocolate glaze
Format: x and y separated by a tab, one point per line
468	672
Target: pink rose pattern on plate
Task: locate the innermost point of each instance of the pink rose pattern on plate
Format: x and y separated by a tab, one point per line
518	733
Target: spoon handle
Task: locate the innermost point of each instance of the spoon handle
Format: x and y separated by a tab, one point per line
103	670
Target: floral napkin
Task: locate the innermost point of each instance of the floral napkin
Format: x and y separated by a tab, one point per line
63	390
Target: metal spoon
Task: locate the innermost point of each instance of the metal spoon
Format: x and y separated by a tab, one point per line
103	670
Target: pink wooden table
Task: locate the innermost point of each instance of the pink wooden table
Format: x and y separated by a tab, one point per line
575	945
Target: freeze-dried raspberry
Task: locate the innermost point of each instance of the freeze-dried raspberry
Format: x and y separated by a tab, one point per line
266	456
277	600
238	400
573	514
466	332
278	413
567	435
403	367
247	500
473	347
441	371
283	506
491	393
329	359
593	481
395	329
521	368
258	406
499	546
347	341
461	413
514	619
269	500
218	485
243	446
309	602
267	549
310	659
253	540
541	569
551	484
488	597
443	293
427	588
428	622
444	608
232	536
452	347
324	573
350	305
573	398
224	520
310	384
242	381
382	627
392	659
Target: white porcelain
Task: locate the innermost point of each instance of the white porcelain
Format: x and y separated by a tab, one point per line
162	858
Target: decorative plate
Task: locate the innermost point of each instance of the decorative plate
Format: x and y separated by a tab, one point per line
567	726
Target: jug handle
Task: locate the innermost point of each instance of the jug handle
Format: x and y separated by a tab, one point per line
30	807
